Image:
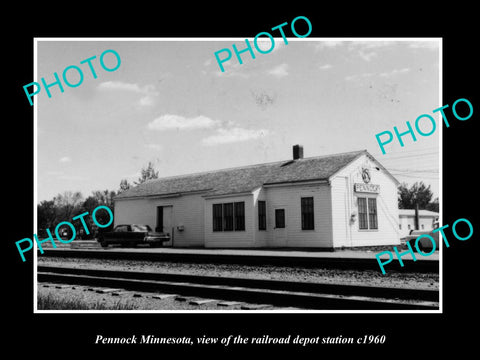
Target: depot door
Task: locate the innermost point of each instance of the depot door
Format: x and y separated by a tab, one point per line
165	222
279	229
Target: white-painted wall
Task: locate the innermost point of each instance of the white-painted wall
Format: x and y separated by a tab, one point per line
133	211
341	210
229	239
289	197
387	207
406	220
261	236
187	211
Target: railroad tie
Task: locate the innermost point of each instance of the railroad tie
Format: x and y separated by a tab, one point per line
62	286
229	303
201	301
106	290
163	296
255	306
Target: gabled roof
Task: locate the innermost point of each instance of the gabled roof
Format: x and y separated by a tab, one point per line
411	212
245	179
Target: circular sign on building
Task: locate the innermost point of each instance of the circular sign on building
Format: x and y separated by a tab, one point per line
366	175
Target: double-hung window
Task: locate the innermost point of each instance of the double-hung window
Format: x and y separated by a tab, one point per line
262	215
307	213
217	217
367	213
228	216
239	208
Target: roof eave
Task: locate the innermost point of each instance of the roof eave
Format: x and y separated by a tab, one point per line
218	196
297	182
162	196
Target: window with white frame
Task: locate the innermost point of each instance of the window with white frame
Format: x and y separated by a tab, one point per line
308	220
367	213
228	216
262	215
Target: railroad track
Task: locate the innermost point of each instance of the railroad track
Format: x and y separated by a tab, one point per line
275	292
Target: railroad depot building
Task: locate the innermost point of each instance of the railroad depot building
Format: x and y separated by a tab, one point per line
340	200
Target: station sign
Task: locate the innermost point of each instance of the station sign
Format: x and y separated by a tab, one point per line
366	188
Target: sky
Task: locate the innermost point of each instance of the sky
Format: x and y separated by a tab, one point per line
170	104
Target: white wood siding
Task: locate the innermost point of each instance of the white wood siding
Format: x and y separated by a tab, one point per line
341	210
387	207
187	211
260	236
133	212
289	197
230	239
405	220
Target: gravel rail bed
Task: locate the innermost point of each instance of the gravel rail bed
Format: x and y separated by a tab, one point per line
330	276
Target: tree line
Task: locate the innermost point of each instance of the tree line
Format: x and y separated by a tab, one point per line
65	206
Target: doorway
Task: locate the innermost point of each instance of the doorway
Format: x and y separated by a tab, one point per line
279	229
165	222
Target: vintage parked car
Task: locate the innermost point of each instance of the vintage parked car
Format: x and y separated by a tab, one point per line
131	235
425	244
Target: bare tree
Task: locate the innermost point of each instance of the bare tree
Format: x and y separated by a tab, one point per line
148	173
124	185
67	203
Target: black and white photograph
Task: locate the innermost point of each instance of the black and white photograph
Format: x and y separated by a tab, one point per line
229	186
267	182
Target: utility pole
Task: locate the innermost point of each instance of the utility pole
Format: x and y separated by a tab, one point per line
417	220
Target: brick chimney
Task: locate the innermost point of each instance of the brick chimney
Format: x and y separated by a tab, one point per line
297	152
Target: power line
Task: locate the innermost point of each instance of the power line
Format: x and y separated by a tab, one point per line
416	167
409	156
435	171
407	151
417	176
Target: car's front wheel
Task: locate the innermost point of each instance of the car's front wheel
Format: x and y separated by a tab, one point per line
424	248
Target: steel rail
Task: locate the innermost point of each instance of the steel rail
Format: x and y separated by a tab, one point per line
276	292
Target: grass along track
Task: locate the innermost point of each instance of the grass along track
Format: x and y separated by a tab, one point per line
276	292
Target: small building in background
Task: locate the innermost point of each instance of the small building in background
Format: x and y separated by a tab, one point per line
426	220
